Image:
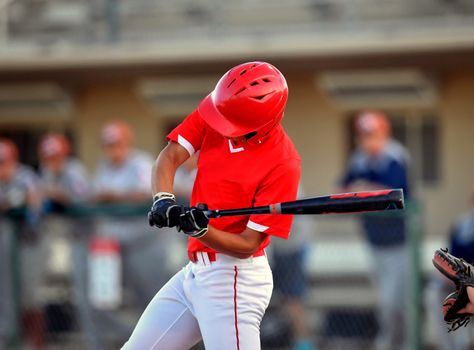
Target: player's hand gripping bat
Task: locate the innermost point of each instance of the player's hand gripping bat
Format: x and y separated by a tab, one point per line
337	203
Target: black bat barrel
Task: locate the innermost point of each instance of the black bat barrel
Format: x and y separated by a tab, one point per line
346	203
337	203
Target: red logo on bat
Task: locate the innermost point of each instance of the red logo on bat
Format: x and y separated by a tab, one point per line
361	194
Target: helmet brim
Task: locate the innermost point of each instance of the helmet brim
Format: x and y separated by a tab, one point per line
216	120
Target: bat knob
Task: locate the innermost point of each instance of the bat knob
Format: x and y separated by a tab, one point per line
212	214
202	206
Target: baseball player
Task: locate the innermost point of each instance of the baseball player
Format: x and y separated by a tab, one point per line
246	159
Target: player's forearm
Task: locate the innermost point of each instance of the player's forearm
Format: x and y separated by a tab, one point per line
164	169
238	245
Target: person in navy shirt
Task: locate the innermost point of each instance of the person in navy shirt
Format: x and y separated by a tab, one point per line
381	162
462	234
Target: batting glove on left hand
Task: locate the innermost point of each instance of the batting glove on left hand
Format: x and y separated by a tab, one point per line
164	211
194	221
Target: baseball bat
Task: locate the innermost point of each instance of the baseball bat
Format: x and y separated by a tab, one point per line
353	202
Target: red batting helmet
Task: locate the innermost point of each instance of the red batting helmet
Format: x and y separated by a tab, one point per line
250	97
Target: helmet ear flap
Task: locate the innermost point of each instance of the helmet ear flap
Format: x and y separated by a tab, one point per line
263	133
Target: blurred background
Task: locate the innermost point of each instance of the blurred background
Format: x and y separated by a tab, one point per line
106	80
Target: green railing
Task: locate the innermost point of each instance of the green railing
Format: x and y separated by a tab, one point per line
83	212
412	214
415	308
18	216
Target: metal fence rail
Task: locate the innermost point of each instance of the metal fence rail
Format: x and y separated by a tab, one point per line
49	22
340	302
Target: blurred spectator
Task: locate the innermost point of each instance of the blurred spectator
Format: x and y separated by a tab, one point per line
381	162
290	280
19	189
64	181
123	176
64	178
461	245
18	183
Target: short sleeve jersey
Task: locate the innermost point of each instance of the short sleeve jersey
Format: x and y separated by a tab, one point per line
234	175
132	175
72	179
14	193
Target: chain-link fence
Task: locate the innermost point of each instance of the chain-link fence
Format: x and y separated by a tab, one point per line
80	282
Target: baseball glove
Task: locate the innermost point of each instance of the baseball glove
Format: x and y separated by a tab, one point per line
461	274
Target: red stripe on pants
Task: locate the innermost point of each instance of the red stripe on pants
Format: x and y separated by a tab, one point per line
235	308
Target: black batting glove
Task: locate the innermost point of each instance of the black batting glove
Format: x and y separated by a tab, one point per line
194	221
165	211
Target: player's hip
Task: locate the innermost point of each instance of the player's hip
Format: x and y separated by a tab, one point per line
228	281
226	270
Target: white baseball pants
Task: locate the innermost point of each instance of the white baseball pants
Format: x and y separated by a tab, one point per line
221	302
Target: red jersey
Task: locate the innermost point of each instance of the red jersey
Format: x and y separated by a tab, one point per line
233	175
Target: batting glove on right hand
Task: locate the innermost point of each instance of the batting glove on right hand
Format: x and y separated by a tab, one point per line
462	275
194	221
165	211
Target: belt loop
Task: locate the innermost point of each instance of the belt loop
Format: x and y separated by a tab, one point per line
206	258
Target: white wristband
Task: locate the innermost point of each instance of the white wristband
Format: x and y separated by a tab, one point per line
161	195
199	233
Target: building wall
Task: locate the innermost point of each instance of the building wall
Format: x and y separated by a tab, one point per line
451	197
319	132
101	102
